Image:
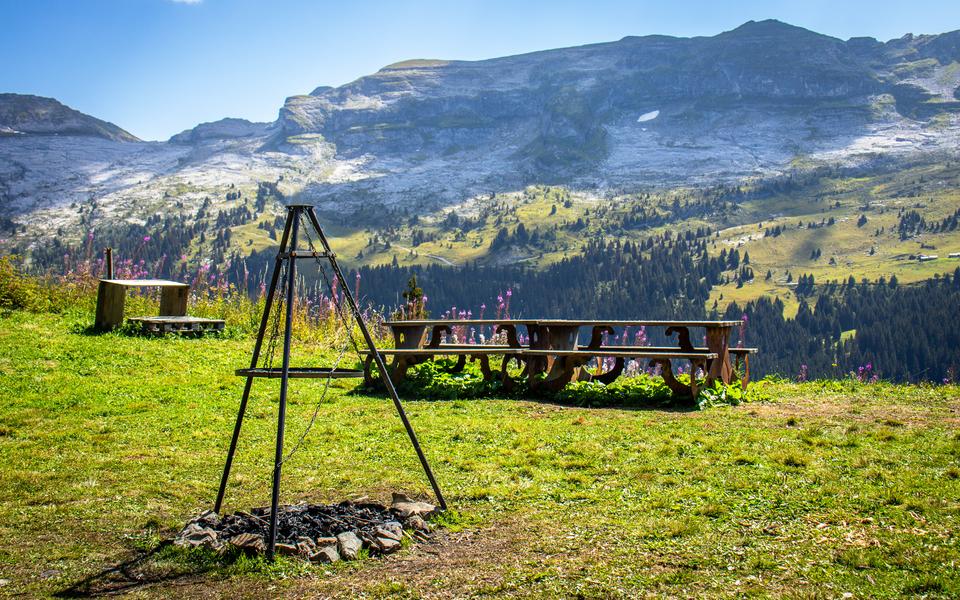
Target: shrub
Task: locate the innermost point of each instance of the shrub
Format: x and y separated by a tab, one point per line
18	291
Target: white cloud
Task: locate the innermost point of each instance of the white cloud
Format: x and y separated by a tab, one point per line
187	1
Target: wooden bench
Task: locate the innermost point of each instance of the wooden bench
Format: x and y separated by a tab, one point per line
112	295
741	367
170	324
568	364
404	358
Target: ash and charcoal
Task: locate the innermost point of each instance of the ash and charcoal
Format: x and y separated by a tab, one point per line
316	532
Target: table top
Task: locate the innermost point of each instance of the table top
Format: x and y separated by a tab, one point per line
560	323
431	322
145	282
623	323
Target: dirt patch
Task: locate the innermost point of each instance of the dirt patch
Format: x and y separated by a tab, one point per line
861	409
452	565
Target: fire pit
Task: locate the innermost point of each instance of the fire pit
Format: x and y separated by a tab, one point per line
322	533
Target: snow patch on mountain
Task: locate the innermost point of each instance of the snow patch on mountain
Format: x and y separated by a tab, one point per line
648	116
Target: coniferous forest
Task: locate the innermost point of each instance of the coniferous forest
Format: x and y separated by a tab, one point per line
903	333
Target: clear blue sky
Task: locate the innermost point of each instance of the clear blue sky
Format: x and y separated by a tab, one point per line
156	67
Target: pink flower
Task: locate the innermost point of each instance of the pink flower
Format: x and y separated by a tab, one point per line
146	238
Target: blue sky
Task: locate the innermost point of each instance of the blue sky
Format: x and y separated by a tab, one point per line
156	67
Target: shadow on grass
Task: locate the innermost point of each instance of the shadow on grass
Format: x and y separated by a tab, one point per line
413	394
130	575
132	330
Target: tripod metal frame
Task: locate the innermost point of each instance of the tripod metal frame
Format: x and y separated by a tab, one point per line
288	252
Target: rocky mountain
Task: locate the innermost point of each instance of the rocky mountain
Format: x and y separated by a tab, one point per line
223	129
24	114
421	135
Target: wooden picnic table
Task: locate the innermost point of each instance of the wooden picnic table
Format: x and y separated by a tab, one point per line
554	355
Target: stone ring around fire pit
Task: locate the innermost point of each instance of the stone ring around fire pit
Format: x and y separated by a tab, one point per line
322	533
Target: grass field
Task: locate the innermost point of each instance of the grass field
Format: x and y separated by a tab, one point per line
109	443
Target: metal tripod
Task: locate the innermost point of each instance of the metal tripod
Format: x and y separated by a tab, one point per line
288	252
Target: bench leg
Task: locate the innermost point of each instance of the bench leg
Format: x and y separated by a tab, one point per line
368	380
611	375
666	371
565	369
509	383
745	379
398	371
110	301
694	367
484	361
173	301
461	363
679	389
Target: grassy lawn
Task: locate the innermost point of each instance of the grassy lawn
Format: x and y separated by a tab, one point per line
110	443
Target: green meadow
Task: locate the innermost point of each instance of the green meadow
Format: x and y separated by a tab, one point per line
110	442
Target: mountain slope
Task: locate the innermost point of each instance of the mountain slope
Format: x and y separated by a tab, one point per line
45	116
425	137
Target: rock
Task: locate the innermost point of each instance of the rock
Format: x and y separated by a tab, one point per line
404	507
390	529
286	549
49	573
208	518
4	582
416	523
249	541
349	545
325	541
387	545
194	535
305	546
327	554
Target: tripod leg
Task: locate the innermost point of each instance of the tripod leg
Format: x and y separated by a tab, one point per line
284	379
268	305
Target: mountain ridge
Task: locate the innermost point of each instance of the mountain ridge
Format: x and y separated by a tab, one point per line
38	115
424	135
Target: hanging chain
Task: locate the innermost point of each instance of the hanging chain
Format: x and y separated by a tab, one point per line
275	325
316	410
343	350
347	323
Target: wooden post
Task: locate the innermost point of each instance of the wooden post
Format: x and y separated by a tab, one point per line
108	252
110	301
173	300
